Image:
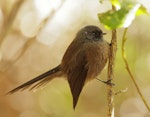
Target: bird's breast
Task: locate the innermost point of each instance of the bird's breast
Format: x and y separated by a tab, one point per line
96	55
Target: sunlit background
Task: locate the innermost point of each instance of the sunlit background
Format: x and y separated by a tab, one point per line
34	36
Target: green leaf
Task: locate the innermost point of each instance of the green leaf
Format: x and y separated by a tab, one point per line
142	10
119	18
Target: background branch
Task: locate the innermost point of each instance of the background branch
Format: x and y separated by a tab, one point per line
129	71
10	19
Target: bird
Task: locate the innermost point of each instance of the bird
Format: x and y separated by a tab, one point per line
83	61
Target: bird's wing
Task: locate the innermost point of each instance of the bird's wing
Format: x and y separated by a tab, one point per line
77	73
76	81
74	66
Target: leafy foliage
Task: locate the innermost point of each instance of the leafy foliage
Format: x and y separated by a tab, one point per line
123	16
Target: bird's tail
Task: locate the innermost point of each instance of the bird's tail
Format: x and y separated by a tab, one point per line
39	80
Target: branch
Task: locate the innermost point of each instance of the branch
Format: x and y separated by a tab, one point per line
129	71
110	91
110	77
32	39
10	19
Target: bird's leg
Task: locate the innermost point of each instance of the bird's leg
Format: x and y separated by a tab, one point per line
108	82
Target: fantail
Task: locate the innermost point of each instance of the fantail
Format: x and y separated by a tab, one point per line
83	60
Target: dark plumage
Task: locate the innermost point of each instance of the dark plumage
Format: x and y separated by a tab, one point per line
83	60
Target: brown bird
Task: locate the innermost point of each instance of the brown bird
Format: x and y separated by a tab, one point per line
84	59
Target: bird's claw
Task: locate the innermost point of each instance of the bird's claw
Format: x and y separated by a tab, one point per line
108	82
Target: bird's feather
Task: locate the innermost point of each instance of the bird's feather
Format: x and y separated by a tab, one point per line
39	80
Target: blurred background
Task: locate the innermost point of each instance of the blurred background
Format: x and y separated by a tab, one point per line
34	35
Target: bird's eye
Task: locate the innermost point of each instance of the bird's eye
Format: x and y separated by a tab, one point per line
92	35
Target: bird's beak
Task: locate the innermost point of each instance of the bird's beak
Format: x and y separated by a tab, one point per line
104	33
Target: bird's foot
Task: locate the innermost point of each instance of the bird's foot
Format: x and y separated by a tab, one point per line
108	82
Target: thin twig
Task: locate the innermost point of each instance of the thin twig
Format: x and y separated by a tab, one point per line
129	71
121	91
